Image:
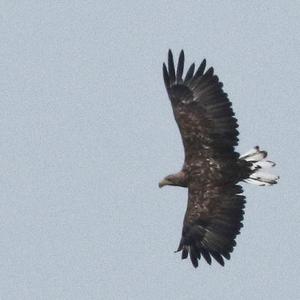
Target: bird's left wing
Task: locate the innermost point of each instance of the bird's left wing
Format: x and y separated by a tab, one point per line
212	220
202	110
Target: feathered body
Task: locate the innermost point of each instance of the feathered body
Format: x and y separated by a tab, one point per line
212	168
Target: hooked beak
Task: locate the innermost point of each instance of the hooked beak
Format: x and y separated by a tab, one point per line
164	182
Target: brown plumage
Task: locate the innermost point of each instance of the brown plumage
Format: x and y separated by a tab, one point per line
212	168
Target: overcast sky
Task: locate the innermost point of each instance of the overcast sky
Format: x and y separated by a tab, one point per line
87	132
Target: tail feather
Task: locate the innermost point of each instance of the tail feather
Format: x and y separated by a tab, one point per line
260	168
263	164
254	155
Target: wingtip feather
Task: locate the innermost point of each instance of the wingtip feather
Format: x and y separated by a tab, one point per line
201	69
190	72
166	76
180	66
171	66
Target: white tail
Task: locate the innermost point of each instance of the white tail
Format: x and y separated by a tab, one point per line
261	168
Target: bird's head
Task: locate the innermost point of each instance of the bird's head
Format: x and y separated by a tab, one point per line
178	179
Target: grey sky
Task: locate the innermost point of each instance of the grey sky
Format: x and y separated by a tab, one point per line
87	132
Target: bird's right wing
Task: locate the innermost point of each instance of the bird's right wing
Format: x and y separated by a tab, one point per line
212	220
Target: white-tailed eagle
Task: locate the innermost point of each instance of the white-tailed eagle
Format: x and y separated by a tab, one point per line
212	168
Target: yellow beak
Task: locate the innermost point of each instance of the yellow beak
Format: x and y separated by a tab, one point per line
164	182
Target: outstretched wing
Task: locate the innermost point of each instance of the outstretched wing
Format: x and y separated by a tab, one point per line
212	221
201	109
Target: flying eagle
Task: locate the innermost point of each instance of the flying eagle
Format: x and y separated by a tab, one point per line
212	169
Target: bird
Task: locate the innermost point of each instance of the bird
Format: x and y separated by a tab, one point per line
212	169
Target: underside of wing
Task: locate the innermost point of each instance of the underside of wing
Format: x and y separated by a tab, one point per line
202	110
212	222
